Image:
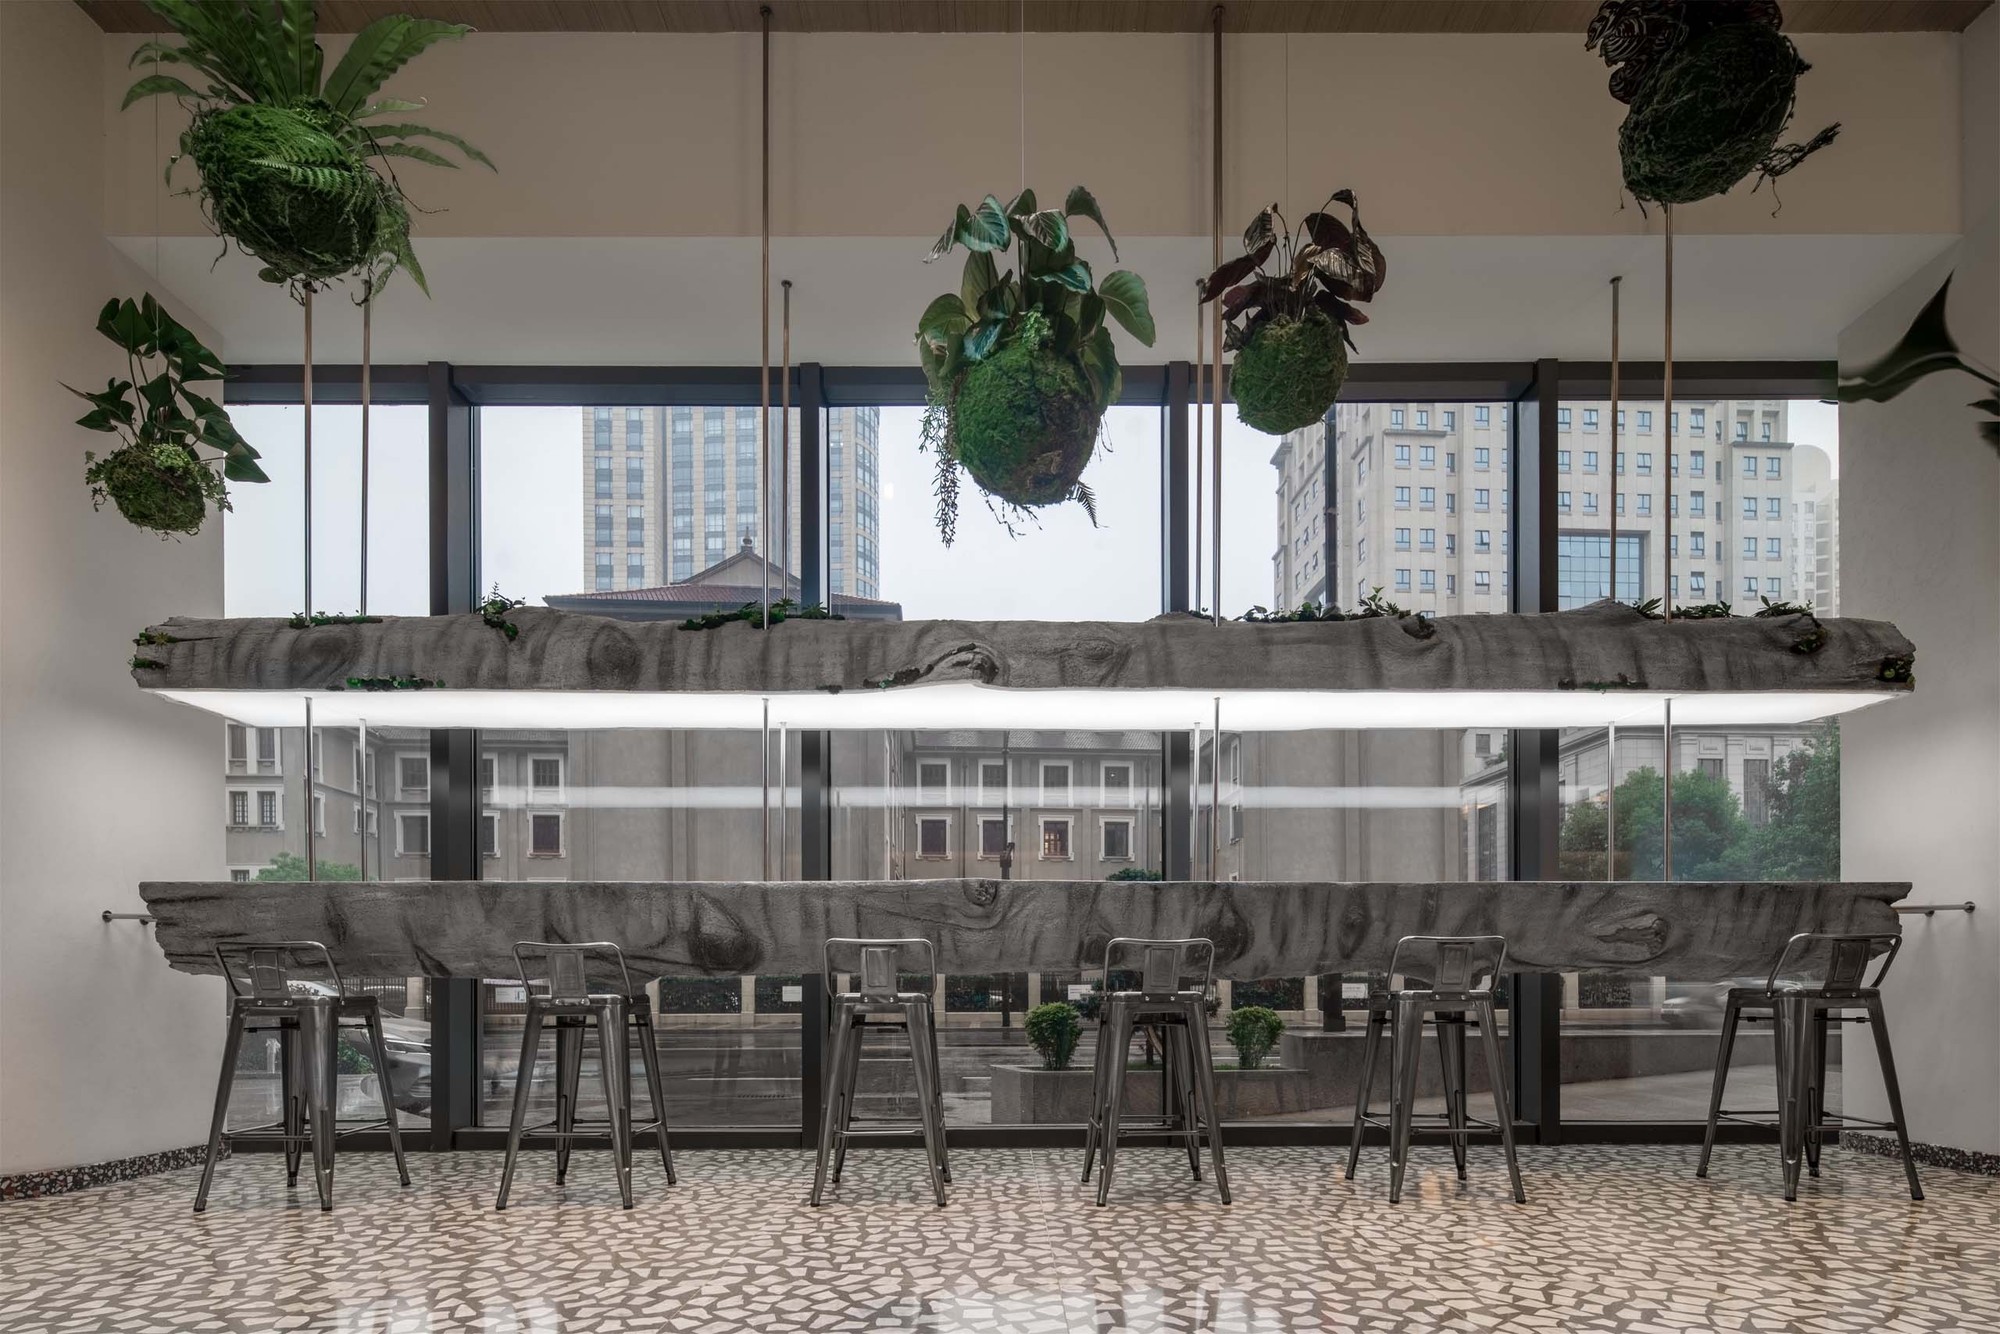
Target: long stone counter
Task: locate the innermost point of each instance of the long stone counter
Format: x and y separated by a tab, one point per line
456	928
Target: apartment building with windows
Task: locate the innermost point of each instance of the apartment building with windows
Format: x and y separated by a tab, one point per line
670	491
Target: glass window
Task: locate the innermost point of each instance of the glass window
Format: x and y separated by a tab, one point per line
1402	456
1481	416
1055	784
1562	419
1590	419
1482	457
1774	463
934	836
1427	456
1562	460
1645	464
1590	460
1645	420
1697	463
1117	839
1427	497
1055	840
933	781
1402	497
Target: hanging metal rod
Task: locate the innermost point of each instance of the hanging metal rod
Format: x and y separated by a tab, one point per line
764	336
1215	335
1927	909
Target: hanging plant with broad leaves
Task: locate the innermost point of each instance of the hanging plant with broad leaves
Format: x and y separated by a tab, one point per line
1020	363
298	170
1289	300
159	479
1710	84
1926	348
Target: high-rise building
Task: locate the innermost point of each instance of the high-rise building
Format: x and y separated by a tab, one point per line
1414	501
670	491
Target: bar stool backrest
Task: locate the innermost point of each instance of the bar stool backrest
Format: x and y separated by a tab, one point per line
1845	959
566	970
1164	967
878	966
1453	965
264	970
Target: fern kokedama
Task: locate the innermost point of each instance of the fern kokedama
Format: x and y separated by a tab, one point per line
1021	366
1711	85
295	169
1288	328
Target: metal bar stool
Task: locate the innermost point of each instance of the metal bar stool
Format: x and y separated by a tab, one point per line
1462	971
880	1003
1178	1015
569	1004
1799	1012
291	988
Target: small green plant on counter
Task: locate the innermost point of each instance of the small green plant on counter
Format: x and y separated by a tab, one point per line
1054	1030
1253	1031
1289	328
494	612
158	479
301	621
1142	873
1372	606
393	683
752	614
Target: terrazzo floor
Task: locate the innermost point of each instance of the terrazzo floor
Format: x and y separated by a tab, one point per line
1612	1239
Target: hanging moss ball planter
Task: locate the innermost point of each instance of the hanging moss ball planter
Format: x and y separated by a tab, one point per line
1026	425
1020	365
1711	88
1288	373
1288	325
160	487
278	183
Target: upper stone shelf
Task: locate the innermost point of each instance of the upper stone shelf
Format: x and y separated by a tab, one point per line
1603	664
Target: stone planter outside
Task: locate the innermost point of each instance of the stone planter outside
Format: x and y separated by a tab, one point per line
1030	1095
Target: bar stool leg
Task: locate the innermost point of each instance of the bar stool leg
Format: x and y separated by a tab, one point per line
850	1087
379	1052
1406	1040
1179	1048
569	1079
1795	1075
937	1088
1121	1041
1451	1056
612	1055
1204	1073
1732	1015
1893	1090
1503	1101
293	1080
649	1054
231	1045
1093	1129
1370	1046
1815	1105
321	1036
831	1121
524	1076
917	1020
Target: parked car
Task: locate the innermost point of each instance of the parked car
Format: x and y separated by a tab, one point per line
1700	1004
408	1044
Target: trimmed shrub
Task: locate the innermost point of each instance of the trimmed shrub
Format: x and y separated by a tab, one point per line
1054	1030
1253	1031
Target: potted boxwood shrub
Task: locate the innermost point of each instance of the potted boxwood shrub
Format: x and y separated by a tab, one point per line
158	478
1710	84
1289	326
1020	365
1253	1031
1053	1031
295	168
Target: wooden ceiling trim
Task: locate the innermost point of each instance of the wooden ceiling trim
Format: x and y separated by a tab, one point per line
1134	16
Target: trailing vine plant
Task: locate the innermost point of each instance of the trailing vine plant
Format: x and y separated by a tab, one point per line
752	614
1710	84
297	169
1020	364
158	478
494	611
1289	324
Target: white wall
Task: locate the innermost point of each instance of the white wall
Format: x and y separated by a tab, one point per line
1920	544
104	1053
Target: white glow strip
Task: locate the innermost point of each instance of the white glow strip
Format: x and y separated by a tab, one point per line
964	707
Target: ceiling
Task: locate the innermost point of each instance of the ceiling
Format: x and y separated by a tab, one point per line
1414	16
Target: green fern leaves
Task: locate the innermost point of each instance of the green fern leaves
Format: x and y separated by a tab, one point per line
293	169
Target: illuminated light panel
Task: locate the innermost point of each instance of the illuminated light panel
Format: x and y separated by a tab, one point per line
967	706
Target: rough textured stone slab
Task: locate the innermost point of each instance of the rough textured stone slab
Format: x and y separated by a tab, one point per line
1690	931
1605	644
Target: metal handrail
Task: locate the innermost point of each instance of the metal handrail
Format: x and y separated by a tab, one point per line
1928	909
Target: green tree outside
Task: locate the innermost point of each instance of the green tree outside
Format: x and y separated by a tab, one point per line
291	866
1712	840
